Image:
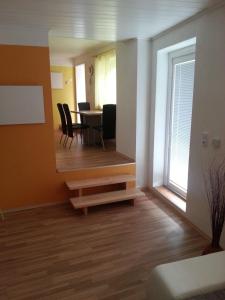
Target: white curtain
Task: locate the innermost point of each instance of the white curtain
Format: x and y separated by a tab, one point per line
105	79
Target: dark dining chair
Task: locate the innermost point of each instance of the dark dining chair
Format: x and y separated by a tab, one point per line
83	106
72	128
107	130
63	122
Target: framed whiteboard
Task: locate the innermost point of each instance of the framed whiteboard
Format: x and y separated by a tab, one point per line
21	105
57	80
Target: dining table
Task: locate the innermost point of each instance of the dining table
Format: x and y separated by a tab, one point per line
91	118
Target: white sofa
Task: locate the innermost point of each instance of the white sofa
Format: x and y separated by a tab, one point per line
187	278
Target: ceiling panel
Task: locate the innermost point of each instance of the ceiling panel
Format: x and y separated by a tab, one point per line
105	20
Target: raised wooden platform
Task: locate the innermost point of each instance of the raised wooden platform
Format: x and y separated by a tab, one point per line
105	198
84	157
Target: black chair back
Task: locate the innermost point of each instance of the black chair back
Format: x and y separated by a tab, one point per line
68	120
109	121
62	118
83	106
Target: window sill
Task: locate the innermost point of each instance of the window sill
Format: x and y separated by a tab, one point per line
175	200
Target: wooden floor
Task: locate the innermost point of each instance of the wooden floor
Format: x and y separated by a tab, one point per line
81	156
57	253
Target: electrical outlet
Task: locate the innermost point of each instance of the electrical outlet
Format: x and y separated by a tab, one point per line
216	142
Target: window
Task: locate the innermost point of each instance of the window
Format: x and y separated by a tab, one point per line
105	79
180	99
80	85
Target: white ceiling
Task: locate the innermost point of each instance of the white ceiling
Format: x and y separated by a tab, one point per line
69	47
101	20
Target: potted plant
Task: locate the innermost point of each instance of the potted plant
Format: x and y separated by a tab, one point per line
215	191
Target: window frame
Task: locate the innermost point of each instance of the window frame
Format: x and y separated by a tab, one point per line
182	55
85	88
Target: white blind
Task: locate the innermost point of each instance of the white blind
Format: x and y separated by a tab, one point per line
182	99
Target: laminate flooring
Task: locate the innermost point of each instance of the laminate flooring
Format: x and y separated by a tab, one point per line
57	253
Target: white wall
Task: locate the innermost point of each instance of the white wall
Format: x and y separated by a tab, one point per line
61	61
126	97
142	110
208	103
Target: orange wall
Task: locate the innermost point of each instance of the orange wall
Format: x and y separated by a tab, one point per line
27	170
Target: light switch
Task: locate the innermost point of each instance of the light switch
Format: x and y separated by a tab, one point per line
205	139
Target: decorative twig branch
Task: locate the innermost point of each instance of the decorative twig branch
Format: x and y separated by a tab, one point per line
215	191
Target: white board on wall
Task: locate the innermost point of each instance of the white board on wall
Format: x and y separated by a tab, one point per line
21	105
56	80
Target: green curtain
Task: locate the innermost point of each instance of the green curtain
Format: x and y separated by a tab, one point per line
105	79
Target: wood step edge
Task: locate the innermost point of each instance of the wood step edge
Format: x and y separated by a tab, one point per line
90	200
94	182
125	191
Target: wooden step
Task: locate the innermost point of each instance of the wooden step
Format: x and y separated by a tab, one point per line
99	181
104	198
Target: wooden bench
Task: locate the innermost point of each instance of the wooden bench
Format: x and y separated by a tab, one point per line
98	199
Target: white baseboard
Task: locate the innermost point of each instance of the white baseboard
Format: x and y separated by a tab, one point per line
32	207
